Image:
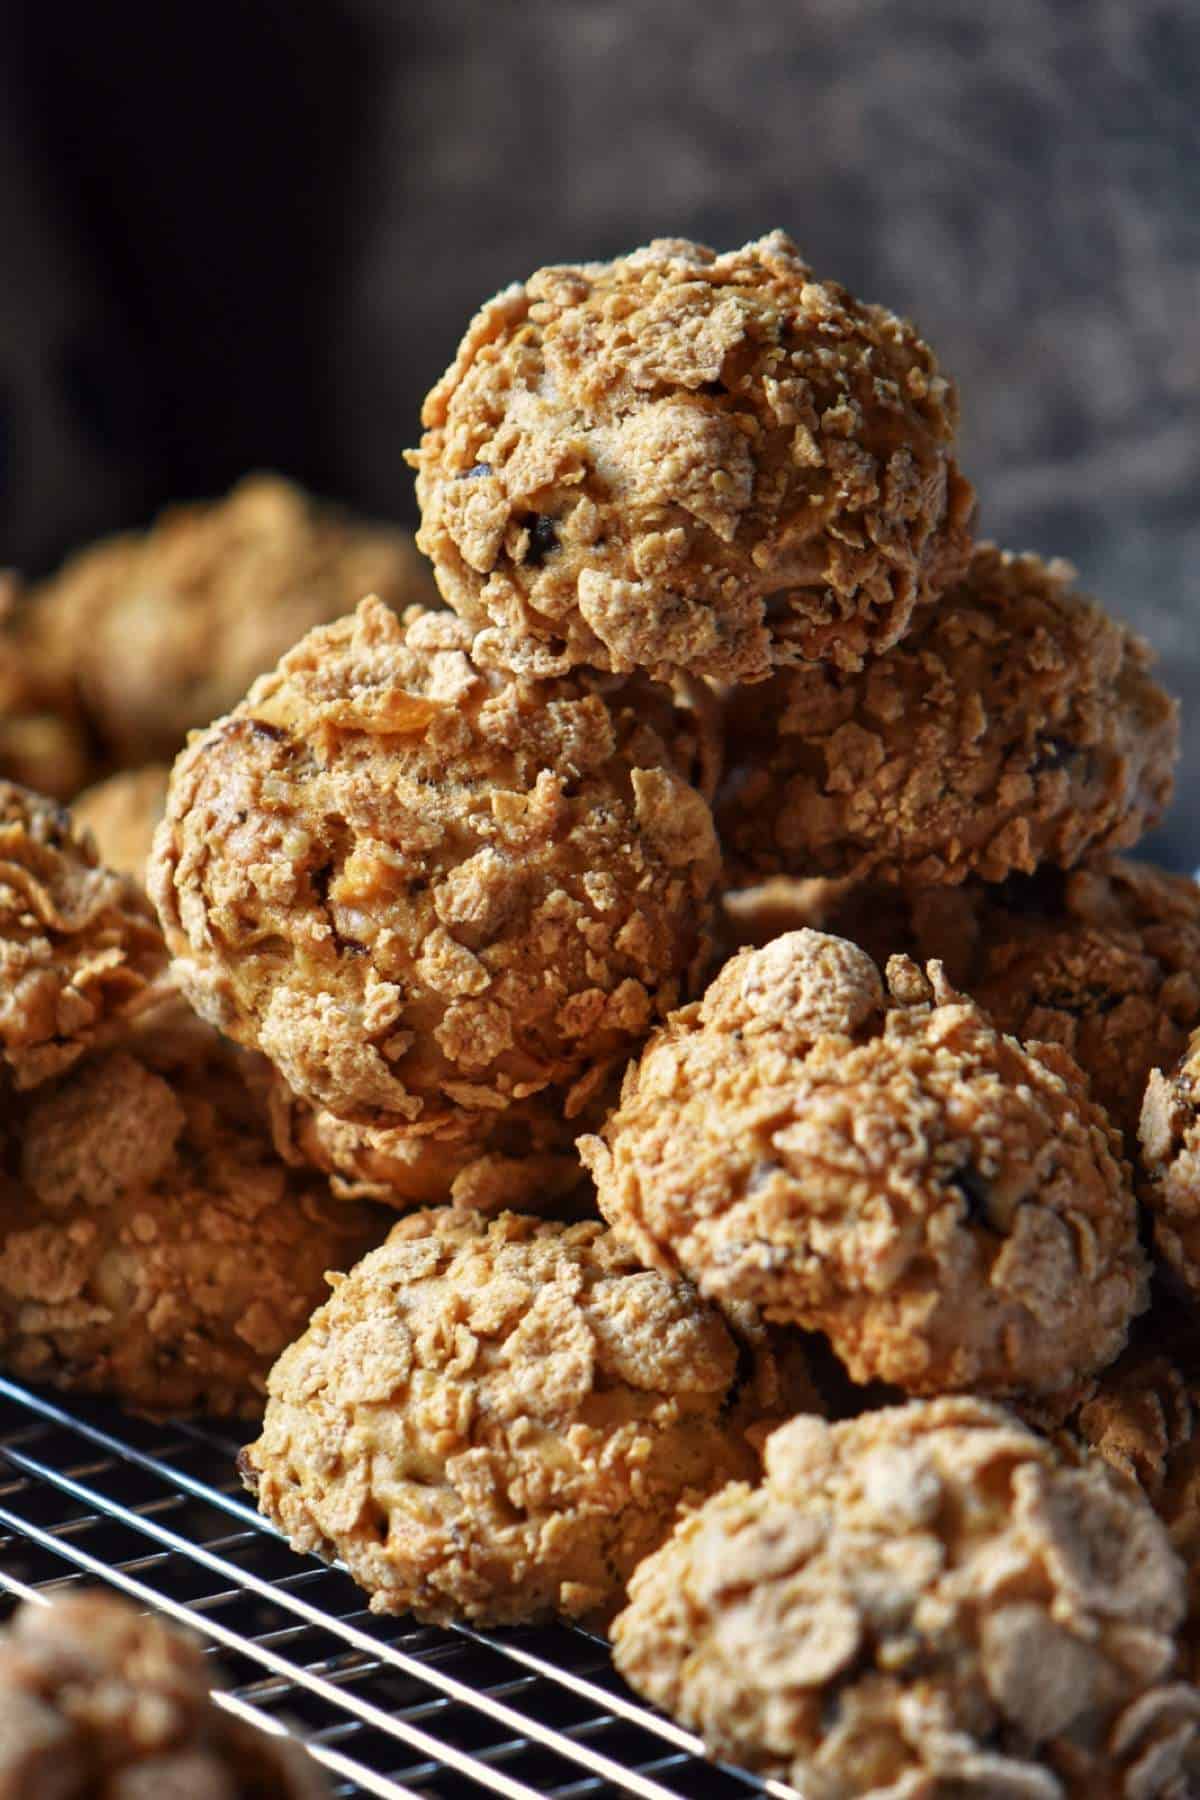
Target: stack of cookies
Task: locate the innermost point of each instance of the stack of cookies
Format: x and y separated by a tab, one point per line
734	854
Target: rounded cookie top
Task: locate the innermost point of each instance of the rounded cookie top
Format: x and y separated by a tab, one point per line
164	630
1103	959
679	460
153	1247
430	893
928	1599
1017	724
97	1698
942	1202
497	1419
79	946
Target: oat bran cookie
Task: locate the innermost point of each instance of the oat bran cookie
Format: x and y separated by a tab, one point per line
79	947
496	1419
163	630
98	1699
152	1245
679	460
945	1204
437	898
927	1601
1016	724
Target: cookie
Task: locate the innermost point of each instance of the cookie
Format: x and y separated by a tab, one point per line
495	1420
43	742
122	813
927	1600
1104	960
153	1247
1015	725
161	631
886	1167
524	1160
437	897
679	460
99	1699
79	947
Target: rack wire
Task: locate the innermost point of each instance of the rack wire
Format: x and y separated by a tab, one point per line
390	1707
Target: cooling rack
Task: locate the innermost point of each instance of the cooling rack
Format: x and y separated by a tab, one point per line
389	1707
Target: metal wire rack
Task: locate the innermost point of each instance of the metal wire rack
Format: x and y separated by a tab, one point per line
388	1706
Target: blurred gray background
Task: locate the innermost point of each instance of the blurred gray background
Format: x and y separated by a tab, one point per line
252	234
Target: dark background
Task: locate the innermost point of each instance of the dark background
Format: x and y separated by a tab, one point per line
250	233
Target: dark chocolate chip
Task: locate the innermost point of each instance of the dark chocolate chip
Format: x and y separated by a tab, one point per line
543	538
976	1194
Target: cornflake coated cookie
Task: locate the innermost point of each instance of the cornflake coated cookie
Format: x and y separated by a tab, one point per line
1016	724
98	1699
123	813
79	947
944	1203
523	1158
495	1420
679	460
165	630
43	744
1103	959
929	1600
152	1245
437	897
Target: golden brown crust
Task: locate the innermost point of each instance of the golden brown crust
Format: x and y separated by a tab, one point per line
1104	960
942	1202
165	630
929	1600
496	1419
1015	725
122	814
684	460
98	1699
153	1246
525	1160
432	895
79	947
